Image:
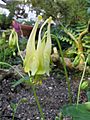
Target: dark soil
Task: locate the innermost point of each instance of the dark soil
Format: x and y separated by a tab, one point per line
52	94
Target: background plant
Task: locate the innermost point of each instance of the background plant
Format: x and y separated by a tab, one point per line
82	43
14	106
4	48
10	54
78	111
77	40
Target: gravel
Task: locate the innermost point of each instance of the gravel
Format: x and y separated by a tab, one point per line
52	94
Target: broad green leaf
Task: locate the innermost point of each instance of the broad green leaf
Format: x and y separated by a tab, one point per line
79	112
88	95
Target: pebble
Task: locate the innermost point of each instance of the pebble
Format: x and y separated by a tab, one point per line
8	107
50	88
37	118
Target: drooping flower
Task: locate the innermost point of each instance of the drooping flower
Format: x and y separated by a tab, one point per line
37	59
44	50
30	49
13	39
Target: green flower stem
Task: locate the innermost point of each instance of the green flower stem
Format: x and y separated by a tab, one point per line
13	116
81	80
38	104
4	63
36	97
64	66
19	51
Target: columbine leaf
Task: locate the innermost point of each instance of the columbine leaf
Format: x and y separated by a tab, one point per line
77	112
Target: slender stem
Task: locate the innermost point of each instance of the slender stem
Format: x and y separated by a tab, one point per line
4	63
36	98
4	54
38	104
64	66
13	116
61	116
81	81
19	51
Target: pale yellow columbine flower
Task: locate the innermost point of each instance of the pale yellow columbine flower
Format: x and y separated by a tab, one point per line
30	49
44	50
37	60
13	38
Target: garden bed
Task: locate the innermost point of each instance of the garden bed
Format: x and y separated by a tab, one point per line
52	94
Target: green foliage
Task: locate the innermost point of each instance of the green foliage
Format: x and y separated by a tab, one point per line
77	112
65	11
57	118
84	85
4	21
80	111
76	60
88	8
60	117
11	6
72	35
4	50
66	39
88	94
8	54
25	79
86	39
88	59
22	43
74	30
14	106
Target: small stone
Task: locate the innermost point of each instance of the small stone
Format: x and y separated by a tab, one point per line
8	107
37	118
50	88
12	89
